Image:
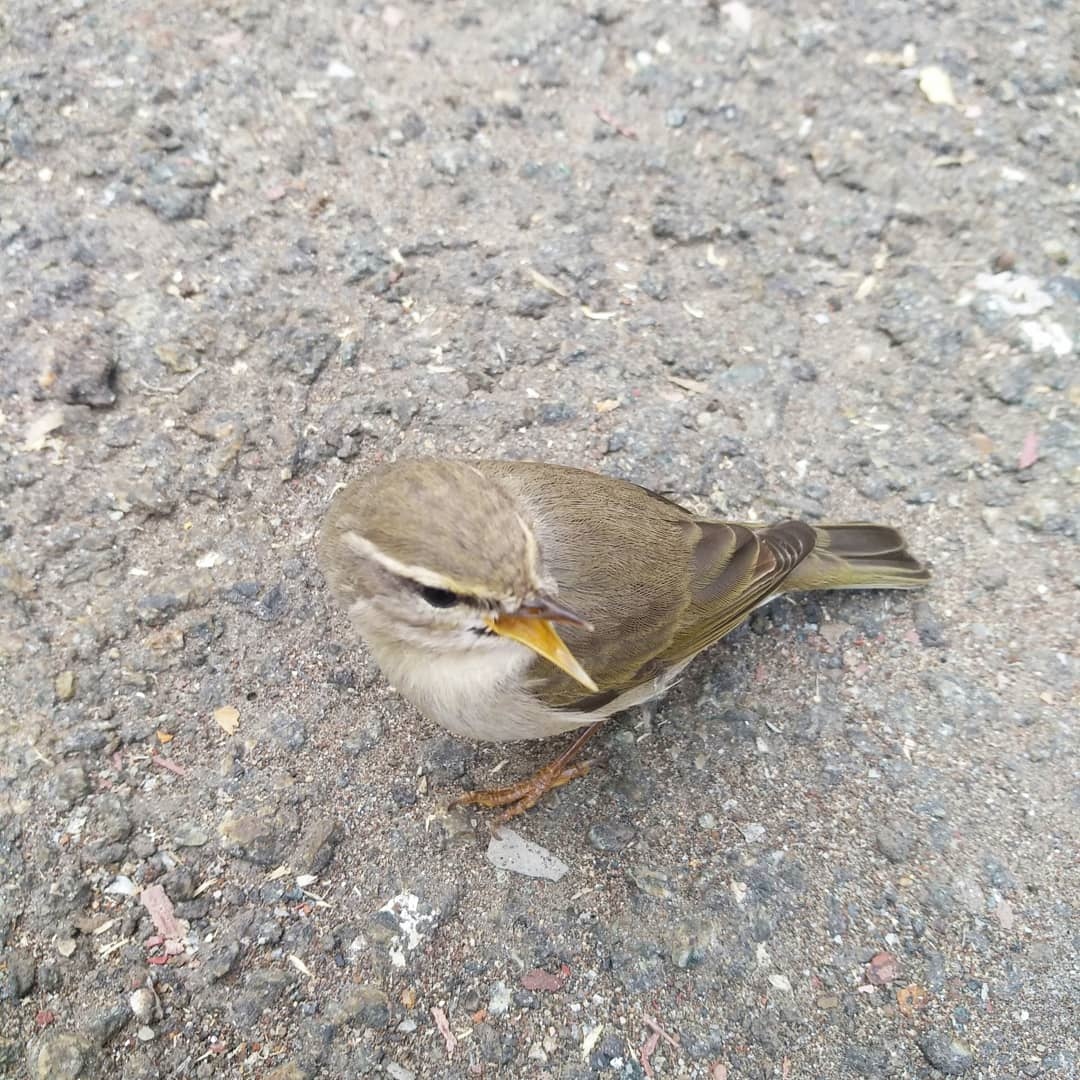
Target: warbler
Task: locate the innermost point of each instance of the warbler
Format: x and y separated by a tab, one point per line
518	600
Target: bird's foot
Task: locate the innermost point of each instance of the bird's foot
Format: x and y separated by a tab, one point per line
525	794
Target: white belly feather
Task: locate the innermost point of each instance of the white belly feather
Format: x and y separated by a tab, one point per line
481	692
480	696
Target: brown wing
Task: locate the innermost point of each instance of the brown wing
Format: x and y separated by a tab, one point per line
736	568
658	584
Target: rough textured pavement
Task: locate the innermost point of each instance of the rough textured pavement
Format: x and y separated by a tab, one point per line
786	258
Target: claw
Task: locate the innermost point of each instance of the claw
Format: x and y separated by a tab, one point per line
525	794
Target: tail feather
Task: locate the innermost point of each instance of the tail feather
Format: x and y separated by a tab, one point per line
858	555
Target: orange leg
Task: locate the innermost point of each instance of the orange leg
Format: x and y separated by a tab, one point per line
525	794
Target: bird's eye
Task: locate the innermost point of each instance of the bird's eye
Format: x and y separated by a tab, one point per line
439	597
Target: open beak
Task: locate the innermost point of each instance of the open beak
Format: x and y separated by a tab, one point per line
531	625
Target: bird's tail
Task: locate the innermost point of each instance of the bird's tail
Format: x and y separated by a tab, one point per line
857	555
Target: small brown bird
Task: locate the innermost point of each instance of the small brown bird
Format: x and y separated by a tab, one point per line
455	574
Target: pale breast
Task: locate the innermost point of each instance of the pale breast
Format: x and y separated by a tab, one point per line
482	688
476	695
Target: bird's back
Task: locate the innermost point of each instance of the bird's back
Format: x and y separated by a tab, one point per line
660	584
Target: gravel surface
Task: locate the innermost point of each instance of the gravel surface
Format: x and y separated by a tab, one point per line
780	259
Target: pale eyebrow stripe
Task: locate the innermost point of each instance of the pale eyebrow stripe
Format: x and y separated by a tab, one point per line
530	544
418	574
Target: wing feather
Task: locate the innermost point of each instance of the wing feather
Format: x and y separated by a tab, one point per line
762	560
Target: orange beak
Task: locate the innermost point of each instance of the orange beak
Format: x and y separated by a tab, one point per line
531	626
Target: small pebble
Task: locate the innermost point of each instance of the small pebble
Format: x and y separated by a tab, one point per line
142	1003
122	885
188	834
894	843
992	578
1056	251
947	1054
655	883
64	686
610	836
499	1001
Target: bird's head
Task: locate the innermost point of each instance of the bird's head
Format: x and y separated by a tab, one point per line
438	555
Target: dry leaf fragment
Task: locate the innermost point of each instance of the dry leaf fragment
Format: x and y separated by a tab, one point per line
952	161
620	129
692	385
228	718
547	284
408	997
1005	914
300	966
648	1048
607	405
911	998
164	736
652	1025
589	1042
444	1030
165	763
155	900
1029	452
548	981
936	85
